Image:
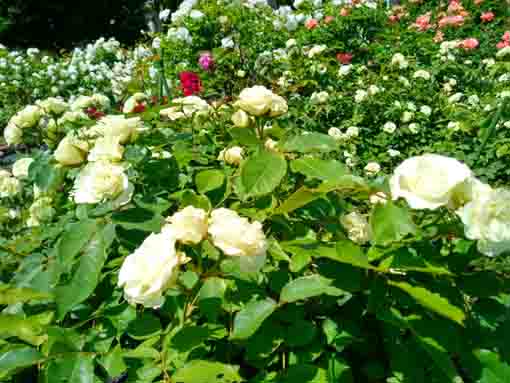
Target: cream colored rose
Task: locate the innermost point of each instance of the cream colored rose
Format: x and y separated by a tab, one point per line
428	181
189	225
235	235
271	145
20	167
9	186
27	117
319	97
256	100
241	119
487	219
53	105
278	106
151	269
100	181
41	211
81	103
358	229
191	105
71	151
133	101
173	113
13	134
372	168
232	156
107	148
125	129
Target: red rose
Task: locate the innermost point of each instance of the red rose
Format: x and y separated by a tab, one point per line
190	83
344	58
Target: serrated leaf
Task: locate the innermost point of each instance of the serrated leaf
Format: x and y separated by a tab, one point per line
262	173
390	223
308	287
88	273
248	320
432	301
202	371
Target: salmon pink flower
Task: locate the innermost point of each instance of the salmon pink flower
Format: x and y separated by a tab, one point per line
487	17
503	44
329	19
453	21
311	24
506	36
344	12
469	44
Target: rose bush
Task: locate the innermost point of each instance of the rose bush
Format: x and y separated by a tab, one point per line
316	193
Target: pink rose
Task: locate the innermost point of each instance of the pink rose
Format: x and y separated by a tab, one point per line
344	12
469	44
503	44
329	19
487	17
506	36
311	24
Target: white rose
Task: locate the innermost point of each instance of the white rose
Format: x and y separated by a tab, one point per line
360	95
271	145
151	269
315	50
393	153
503	52
373	90
27	117
414	127
290	43
256	100
13	134
336	134
100	181
118	126
235	235
9	186
344	70
422	74
232	156
487	219
241	119
20	167
455	98
41	211
173	113
372	168
191	105
71	151
358	229
53	105
352	131
278	106
426	110
106	148
390	127
428	181
189	225
399	60
407	116
82	102
378	197
319	97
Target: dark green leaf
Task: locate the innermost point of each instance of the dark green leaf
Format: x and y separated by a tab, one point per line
249	319
308	287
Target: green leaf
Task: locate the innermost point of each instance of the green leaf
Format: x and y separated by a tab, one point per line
350	253
308	287
302	197
188	279
191	337
326	170
83	371
88	272
440	357
313	142
139	219
74	239
304	373
145	326
208	180
26	329
244	136
202	371
18	358
249	319
11	295
210	297
432	301
262	173
493	369
390	223
113	362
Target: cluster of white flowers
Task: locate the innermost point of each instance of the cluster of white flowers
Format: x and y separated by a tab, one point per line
147	273
185	107
431	181
99	67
